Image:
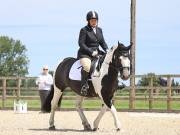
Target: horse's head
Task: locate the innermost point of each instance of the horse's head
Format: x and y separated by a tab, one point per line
121	59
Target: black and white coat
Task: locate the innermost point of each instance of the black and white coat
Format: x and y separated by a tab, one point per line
103	86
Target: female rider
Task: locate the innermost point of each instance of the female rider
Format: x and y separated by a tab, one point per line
90	37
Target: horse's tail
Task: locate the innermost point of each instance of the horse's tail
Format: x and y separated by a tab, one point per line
47	103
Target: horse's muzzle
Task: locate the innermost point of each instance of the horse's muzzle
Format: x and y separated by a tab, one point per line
125	75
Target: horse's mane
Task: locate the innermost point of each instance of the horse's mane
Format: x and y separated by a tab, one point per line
102	58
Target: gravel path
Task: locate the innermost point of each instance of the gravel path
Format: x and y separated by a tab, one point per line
68	123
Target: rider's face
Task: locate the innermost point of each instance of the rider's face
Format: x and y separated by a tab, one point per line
93	22
45	70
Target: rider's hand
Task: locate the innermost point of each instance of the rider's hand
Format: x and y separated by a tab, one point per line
107	50
95	53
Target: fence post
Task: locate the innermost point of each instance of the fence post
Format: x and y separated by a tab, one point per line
169	94
132	94
18	88
151	94
4	93
132	53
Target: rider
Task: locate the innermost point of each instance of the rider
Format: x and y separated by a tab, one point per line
90	37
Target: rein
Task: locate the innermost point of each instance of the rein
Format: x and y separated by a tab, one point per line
114	67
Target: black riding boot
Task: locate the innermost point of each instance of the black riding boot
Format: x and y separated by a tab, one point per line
84	82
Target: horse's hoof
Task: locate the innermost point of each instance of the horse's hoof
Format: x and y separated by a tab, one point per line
118	129
95	129
87	128
52	128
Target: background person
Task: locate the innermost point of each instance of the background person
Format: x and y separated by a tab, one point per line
44	82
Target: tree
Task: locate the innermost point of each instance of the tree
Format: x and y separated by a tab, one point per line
13	59
146	80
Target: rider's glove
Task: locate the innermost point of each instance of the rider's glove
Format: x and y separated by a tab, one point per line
106	50
95	53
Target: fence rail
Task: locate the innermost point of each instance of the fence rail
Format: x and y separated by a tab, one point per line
149	96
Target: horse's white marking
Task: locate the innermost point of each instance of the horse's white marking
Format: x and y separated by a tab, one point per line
79	101
54	102
125	61
126	64
114	114
103	71
100	115
116	120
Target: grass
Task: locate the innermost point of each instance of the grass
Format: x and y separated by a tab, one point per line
123	104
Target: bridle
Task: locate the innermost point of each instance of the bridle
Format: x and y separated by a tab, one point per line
116	67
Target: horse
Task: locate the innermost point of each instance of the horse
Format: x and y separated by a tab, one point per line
103	85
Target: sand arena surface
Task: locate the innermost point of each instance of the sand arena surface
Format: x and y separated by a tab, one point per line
68	123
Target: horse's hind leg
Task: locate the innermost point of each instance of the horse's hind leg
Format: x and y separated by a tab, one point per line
81	114
98	118
54	105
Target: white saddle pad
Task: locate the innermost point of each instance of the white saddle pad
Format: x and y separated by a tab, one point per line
75	71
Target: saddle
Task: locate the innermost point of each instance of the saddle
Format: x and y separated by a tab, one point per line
94	63
75	71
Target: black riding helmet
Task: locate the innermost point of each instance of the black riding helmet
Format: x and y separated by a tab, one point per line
91	15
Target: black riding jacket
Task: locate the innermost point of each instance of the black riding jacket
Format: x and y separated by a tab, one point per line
89	41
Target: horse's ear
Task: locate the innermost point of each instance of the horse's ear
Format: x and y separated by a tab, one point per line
120	44
129	47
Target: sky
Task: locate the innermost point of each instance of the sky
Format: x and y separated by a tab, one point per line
50	28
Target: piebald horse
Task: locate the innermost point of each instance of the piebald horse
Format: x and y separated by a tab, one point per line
103	86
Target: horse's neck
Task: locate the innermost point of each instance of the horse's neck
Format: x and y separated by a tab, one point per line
112	73
109	77
108	69
100	61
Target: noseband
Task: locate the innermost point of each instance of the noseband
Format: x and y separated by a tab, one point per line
116	67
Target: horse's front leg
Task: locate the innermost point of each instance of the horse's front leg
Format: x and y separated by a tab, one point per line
85	122
98	118
54	105
116	120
